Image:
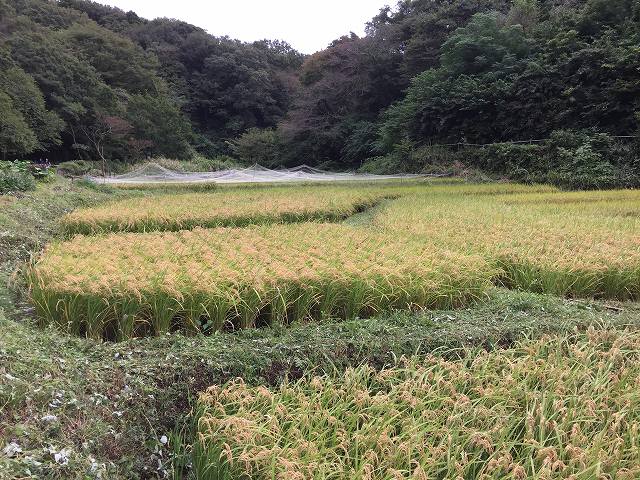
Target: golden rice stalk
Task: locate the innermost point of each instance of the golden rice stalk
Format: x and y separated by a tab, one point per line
203	280
566	407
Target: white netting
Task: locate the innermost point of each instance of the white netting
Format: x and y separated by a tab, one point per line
154	173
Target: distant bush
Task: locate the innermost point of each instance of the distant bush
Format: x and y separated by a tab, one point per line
574	159
436	160
205	164
198	163
261	146
75	168
16	177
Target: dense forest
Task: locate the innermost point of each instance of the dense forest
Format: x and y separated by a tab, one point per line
432	84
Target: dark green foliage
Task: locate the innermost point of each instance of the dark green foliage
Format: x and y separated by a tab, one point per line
25	123
66	77
224	86
427	72
158	121
75	168
572	159
484	42
477	72
119	62
15	135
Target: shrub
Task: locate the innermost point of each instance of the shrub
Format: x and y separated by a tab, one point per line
15	177
576	159
261	146
75	168
41	171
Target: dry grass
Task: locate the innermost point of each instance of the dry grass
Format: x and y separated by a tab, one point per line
564	407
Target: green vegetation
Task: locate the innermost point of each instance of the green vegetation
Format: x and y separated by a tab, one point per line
16	177
434	329
433	86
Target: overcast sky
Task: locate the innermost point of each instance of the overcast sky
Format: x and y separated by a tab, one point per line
307	25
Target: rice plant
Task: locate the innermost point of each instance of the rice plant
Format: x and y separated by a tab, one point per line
581	244
204	280
565	407
236	207
418	250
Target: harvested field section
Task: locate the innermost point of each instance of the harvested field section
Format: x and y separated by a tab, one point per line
565	407
121	285
237	207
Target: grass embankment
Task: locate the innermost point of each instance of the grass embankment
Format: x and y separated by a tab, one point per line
557	407
106	406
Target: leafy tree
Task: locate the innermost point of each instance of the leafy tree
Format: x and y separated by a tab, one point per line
27	99
525	13
119	62
159	126
26	123
258	146
15	135
482	44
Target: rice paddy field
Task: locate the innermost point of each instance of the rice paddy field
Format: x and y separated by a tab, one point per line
566	407
237	207
217	265
422	247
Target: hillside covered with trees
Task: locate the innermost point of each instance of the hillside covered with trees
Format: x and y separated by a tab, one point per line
85	81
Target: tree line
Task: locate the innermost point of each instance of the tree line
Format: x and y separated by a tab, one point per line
82	80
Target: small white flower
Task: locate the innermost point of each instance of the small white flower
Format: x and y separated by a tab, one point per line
164	439
61	457
12	449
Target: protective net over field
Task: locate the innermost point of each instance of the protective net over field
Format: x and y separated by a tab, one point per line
154	173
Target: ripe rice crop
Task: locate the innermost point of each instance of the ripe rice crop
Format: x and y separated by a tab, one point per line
419	251
583	244
236	207
121	285
564	407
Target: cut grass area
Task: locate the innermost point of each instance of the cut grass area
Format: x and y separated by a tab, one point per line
236	207
561	407
126	285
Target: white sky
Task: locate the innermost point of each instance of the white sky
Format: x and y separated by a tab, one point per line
308	25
